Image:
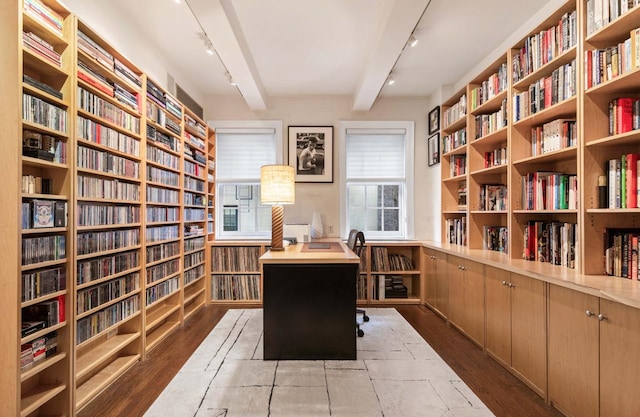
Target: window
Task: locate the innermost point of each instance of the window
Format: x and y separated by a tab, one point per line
242	147
378	184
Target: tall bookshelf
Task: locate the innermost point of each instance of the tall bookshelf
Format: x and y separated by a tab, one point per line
195	210
164	225
108	201
211	183
46	272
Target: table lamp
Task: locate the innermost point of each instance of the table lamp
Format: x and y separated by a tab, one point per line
277	187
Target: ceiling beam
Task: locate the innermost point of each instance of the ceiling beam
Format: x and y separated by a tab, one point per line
220	22
397	21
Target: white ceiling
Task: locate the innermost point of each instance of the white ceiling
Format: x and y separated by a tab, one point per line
275	48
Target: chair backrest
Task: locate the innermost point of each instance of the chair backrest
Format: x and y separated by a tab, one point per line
359	245
351	241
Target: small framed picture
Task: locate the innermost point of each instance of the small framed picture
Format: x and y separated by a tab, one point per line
433	149
311	153
434	120
43	213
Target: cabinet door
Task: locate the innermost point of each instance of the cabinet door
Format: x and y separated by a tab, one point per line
429	272
498	305
573	352
456	290
473	320
529	331
619	347
442	284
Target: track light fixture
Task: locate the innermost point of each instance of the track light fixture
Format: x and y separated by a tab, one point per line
413	41
230	79
390	80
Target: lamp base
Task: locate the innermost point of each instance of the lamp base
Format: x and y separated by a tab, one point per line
277	220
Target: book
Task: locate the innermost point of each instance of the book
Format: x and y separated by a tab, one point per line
60	214
32	326
43	213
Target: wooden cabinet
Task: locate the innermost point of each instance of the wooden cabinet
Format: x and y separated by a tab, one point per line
436	285
395	272
573	352
516	325
429	276
466	297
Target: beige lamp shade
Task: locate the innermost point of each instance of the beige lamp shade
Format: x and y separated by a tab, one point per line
277	184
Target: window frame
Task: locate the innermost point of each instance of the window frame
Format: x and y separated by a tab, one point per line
244	126
407	198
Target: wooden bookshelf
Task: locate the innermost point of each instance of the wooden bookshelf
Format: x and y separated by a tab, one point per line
400	264
236	277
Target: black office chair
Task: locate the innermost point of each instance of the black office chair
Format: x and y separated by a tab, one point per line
356	244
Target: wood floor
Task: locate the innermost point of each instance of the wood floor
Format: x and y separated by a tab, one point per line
503	393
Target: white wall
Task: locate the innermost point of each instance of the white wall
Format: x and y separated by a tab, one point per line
329	111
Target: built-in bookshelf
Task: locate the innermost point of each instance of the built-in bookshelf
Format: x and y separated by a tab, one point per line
211	184
45	281
236	276
394	271
109	214
196	187
164	212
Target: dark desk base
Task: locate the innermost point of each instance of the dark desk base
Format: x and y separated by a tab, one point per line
309	311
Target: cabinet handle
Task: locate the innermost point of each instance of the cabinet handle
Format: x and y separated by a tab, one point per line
459	266
589	313
601	317
511	285
463	268
504	282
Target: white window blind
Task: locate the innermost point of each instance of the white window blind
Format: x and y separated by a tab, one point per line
240	154
372	155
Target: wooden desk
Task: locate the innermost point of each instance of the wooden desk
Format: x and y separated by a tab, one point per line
309	301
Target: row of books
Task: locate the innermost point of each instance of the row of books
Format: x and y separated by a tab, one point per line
191	199
193	184
542	190
456	231
160	233
45	147
454	140
94	78
195	126
166	159
91	48
166	250
156	94
545	92
125	73
36	110
193	259
42	86
543	47
622	181
496	157
235	287
601	65
194	154
162	176
457	165
97	106
382	260
98	268
45	15
32	184
621	252
93	297
234	259
36	284
553	136
361	287
193	214
495	238
94	132
194	140
170	142
489	123
161	290
107	240
163	270
46	314
455	112
601	12
191	275
552	242
389	286
193	169
92	214
43	249
110	189
462	195
494	85
173	126
38	214
162	195
193	244
624	114
162	214
41	48
97	160
192	230
173	106
34	352
94	324
493	197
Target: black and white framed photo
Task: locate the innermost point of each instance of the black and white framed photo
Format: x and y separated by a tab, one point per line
433	149
311	153
434	120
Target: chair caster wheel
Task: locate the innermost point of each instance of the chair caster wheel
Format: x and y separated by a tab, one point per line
360	333
365	318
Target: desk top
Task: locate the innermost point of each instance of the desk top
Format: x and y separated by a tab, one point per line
293	254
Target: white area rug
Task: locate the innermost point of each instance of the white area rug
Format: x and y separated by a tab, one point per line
397	374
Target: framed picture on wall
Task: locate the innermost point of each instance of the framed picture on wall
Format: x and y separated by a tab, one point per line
434	120
311	153
433	149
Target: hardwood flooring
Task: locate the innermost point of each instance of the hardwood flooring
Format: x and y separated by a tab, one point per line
503	393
